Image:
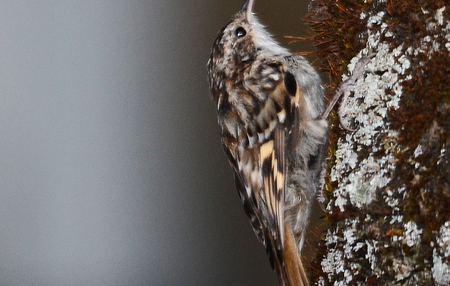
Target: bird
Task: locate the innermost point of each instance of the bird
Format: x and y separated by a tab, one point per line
270	106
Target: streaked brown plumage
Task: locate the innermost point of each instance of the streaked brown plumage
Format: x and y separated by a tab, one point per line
269	105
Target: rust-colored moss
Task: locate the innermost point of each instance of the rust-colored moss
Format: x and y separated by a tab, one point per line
337	27
423	118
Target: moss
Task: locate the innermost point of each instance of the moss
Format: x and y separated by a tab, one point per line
421	119
337	27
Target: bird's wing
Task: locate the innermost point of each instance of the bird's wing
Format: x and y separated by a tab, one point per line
260	169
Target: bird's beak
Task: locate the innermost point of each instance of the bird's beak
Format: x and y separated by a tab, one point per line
247	9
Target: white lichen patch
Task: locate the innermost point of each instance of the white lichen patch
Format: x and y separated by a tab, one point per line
443	239
368	107
418	151
396	219
349	237
441	270
402	269
393	200
333	263
441	156
441	253
412	234
366	161
433	42
372	250
439	16
390	200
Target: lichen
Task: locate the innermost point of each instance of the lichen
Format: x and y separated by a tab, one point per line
388	182
412	234
441	256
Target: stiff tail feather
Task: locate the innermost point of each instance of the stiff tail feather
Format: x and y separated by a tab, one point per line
290	269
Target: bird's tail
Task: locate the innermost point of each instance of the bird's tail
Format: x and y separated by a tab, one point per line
290	270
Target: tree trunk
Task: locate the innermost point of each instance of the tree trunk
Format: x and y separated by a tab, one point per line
389	179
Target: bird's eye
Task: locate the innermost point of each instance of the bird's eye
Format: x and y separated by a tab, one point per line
240	32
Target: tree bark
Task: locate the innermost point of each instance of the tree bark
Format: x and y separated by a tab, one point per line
389	179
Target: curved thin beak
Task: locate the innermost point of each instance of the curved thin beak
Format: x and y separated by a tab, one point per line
247	8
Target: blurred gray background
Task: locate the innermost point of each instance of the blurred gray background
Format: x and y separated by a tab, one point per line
111	167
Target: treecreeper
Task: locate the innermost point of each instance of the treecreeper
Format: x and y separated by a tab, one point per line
270	106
